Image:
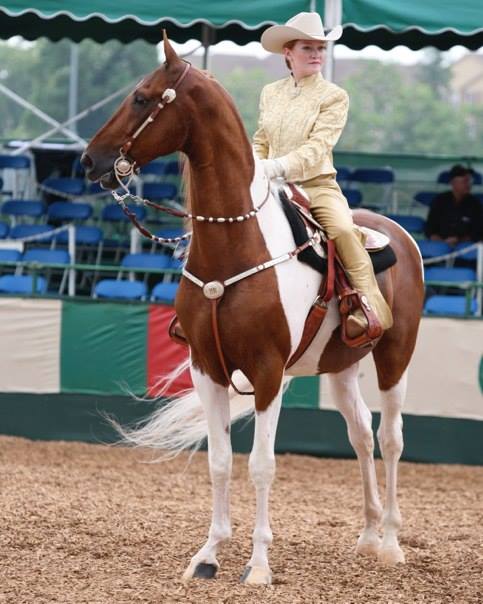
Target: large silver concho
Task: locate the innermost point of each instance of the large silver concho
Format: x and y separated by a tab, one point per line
123	167
169	95
213	290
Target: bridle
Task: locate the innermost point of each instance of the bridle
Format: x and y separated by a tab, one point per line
124	168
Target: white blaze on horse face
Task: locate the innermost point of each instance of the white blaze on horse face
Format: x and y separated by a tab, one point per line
298	284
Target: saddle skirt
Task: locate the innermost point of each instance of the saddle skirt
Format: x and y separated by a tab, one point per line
374	241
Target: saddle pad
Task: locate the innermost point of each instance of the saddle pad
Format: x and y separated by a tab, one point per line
381	254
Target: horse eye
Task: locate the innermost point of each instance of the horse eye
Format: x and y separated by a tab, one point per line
140	100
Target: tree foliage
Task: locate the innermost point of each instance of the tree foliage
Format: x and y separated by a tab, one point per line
388	112
40	73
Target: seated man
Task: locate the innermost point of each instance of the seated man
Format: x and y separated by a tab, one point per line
456	215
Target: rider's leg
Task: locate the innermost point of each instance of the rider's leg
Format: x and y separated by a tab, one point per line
330	208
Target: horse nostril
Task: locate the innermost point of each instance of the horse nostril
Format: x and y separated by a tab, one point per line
86	161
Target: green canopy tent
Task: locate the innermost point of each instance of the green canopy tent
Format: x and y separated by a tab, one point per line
385	23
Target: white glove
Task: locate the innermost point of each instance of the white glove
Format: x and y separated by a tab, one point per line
273	168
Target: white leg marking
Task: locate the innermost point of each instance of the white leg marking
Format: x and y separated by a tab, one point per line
217	409
347	396
391	443
262	472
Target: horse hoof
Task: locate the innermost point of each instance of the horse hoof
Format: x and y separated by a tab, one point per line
256	575
390	556
368	546
200	570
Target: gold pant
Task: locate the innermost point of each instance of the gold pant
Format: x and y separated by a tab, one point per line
330	208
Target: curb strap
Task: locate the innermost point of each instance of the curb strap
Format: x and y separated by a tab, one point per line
219	349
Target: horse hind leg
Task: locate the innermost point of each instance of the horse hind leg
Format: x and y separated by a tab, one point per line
348	399
215	400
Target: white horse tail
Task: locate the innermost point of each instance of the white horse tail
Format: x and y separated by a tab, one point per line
180	423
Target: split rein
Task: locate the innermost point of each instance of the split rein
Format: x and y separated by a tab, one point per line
212	290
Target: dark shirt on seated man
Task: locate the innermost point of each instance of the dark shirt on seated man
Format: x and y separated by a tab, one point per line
456	215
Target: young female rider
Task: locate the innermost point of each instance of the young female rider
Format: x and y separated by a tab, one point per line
301	119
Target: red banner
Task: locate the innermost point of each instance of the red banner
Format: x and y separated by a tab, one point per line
164	355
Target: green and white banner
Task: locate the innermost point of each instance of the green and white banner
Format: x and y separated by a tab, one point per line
86	347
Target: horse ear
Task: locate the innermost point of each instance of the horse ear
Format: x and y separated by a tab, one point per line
169	52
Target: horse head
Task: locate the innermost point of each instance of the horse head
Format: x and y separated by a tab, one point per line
150	122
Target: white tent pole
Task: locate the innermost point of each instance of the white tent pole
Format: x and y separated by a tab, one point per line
74	83
75	118
39	113
332	18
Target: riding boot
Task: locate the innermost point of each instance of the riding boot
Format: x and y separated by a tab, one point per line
358	266
330	208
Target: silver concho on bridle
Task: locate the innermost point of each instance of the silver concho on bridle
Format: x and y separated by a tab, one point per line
169	95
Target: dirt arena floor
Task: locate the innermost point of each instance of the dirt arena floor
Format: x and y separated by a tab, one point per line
91	524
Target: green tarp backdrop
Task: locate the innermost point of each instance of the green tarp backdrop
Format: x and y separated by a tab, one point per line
385	23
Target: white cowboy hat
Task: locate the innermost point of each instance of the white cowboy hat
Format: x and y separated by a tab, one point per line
304	26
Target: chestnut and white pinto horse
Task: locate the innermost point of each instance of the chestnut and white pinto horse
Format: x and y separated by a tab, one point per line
238	224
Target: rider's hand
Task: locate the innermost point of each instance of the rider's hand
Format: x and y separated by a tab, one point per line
273	168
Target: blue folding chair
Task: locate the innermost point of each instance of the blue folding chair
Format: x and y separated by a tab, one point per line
137	261
412	224
3	230
450	305
158	191
379	177
84	235
22	284
470	256
126	290
443	177
450	274
433	249
154	168
64	186
23	208
22	231
353	196
149	261
172	168
44	256
67	211
7	255
164	292
425	198
117	225
113	212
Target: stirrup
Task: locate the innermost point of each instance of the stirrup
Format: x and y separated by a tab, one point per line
366	339
351	300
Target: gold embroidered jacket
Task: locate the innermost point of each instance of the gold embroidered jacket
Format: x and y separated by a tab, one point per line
300	124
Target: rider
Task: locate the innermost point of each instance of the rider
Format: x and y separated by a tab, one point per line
301	119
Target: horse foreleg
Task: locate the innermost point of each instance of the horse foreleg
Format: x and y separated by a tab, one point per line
391	443
348	399
262	472
216	404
